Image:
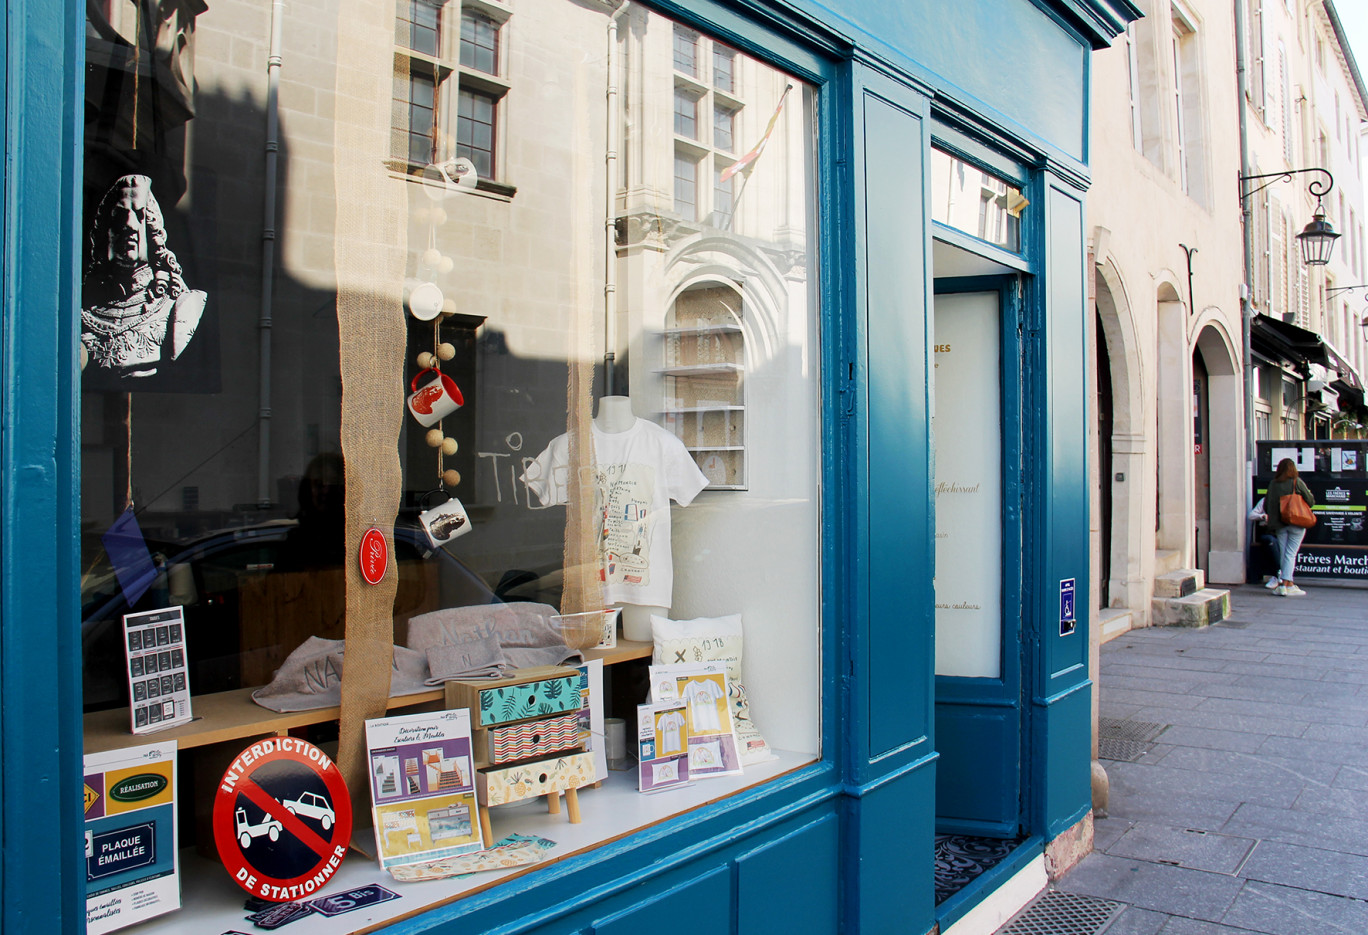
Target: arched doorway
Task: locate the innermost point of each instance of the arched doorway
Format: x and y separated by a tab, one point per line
1218	392
1201	463
1122	536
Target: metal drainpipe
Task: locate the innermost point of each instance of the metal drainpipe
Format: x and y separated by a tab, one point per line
610	209
1246	313
268	239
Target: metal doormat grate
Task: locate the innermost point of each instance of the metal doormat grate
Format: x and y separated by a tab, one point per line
1235	624
1121	751
1056	913
1116	728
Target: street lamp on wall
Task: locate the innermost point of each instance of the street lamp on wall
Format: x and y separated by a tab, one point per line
1317	238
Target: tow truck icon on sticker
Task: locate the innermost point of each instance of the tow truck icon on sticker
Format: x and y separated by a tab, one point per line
247	832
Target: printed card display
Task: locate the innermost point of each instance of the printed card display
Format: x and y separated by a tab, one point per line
422	785
158	671
662	746
702	688
591	715
130	836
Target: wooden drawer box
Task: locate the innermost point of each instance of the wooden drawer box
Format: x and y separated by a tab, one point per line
499	745
503	784
531	693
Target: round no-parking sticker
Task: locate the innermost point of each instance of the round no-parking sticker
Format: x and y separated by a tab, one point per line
282	819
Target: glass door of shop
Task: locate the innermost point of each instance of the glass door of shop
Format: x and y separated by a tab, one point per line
976	431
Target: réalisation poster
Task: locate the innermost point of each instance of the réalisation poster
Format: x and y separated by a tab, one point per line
130	836
423	787
158	671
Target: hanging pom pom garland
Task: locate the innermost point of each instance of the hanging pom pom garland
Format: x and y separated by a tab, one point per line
427	303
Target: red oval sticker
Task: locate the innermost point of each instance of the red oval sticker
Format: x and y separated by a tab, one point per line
374	556
282	819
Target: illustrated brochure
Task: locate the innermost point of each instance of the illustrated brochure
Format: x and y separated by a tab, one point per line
662	746
130	836
423	787
702	687
158	671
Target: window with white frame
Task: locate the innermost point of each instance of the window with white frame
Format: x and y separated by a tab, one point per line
1256	88
1147	77
1133	78
448	83
1288	124
686	51
1277	250
1189	134
724	67
708	120
685	186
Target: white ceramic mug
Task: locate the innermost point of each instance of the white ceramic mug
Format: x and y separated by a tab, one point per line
445	522
436	400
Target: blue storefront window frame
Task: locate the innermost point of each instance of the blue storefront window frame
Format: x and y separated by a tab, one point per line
41	882
845	51
41	868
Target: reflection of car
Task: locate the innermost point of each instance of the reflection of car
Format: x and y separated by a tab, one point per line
311	805
268	827
250	596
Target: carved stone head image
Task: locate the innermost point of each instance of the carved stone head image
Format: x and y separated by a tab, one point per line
137	313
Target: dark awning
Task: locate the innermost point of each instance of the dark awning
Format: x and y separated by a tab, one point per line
1284	341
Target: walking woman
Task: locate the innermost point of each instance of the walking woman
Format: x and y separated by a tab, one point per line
1289	537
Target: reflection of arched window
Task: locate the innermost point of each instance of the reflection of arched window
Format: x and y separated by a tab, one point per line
704	372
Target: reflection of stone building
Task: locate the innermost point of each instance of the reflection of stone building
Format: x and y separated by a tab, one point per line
519	256
1167	345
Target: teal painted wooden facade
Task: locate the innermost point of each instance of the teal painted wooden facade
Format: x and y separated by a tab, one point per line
846	843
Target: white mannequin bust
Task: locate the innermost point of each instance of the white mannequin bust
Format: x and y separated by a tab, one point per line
614	415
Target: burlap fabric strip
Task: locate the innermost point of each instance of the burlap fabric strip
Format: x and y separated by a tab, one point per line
369	247
582	588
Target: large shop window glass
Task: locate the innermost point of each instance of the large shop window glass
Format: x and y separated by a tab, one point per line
408	347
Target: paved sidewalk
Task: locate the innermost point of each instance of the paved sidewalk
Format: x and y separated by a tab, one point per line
1249	813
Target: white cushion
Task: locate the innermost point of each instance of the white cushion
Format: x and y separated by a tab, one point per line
713	639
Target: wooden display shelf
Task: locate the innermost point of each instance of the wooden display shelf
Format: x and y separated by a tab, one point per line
232	715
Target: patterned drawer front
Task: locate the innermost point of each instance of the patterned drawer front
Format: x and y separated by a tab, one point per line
534	738
515	783
534	699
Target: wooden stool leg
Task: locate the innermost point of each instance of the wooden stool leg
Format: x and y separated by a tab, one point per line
553	803
572	805
485	830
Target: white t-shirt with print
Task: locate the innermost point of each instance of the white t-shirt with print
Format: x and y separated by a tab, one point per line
636	474
702	696
669	725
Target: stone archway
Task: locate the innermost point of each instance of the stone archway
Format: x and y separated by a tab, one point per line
1124	535
1223	433
1173	418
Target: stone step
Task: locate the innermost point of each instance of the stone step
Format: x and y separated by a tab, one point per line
1166	560
1111	622
1205	607
1179	583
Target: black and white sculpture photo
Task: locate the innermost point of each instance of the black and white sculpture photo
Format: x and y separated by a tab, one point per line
138	315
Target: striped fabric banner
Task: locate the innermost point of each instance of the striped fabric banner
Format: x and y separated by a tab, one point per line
759	147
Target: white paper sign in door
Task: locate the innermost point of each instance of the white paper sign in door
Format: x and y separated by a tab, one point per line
967	427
